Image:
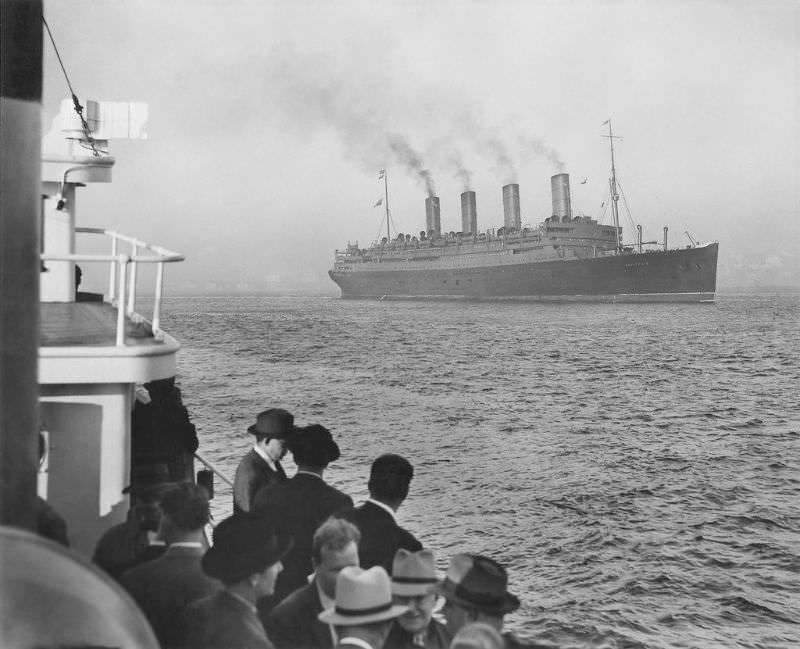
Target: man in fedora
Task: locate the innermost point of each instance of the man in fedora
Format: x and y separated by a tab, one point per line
381	536
118	547
293	624
261	466
363	610
300	505
475	589
413	579
163	587
246	558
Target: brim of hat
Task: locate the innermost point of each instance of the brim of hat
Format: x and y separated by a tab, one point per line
141	490
509	604
254	431
218	566
330	616
412	590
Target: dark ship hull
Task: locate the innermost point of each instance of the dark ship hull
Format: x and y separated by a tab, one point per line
682	275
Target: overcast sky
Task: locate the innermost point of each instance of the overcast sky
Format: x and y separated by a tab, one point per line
269	121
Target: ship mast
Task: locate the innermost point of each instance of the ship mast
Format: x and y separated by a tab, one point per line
614	193
386	195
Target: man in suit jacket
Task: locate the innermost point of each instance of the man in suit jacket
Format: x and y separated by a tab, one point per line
363	611
164	586
246	558
261	466
299	506
381	536
413	580
293	624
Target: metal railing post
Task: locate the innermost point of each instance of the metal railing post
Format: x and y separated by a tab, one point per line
122	260
132	281
157	299
112	272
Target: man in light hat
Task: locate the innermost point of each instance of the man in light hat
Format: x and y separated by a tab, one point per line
261	466
300	505
246	558
363	610
476	590
413	579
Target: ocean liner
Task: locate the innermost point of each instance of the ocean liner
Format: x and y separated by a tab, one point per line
565	258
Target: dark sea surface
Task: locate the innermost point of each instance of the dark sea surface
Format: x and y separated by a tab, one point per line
635	467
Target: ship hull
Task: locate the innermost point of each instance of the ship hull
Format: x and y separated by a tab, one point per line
686	275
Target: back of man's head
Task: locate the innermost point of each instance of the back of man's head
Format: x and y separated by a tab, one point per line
334	535
389	478
186	506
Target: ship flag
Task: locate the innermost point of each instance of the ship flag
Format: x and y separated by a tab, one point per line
606	122
379	203
381	174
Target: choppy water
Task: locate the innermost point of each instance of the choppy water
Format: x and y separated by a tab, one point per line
636	467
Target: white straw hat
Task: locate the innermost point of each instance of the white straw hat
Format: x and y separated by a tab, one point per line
362	596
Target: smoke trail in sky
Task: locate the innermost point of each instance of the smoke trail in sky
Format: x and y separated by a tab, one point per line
412	161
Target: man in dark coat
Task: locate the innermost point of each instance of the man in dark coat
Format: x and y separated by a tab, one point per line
413	579
475	589
293	624
299	506
164	586
261	466
246	558
381	536
119	546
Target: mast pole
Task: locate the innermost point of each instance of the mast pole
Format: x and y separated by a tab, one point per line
614	193
386	195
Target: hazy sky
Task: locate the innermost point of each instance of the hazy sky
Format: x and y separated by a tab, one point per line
269	122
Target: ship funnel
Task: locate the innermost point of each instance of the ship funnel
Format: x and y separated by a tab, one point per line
562	204
512	220
433	219
469	213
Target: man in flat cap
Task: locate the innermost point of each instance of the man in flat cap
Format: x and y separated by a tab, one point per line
363	610
261	466
475	589
299	506
413	579
163	587
246	558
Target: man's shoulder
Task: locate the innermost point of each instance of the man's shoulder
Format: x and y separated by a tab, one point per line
297	599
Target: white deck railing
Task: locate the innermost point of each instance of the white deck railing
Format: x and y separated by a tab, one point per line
121	284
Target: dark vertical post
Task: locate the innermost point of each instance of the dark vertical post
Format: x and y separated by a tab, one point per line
20	188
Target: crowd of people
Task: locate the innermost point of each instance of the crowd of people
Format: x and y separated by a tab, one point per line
298	565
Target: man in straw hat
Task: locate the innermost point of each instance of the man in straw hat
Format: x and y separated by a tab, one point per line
413	579
261	466
298	506
363	610
246	558
475	589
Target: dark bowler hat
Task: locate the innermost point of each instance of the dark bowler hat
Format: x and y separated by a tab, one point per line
149	480
477	582
275	423
313	445
243	545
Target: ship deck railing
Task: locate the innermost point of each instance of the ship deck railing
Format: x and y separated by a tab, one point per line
122	276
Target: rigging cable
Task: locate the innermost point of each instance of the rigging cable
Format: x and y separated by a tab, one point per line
76	104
